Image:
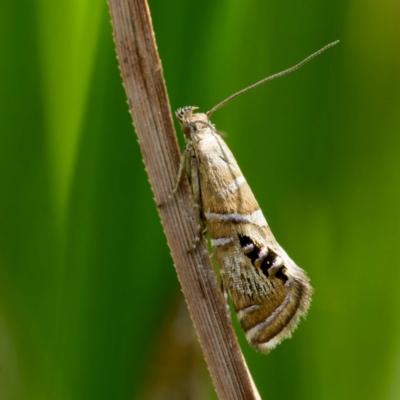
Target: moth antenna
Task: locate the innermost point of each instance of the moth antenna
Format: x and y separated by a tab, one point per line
270	78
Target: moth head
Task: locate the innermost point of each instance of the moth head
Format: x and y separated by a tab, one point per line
192	123
184	114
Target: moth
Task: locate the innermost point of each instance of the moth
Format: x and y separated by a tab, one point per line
269	292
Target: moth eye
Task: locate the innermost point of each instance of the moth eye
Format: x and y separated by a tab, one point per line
186	129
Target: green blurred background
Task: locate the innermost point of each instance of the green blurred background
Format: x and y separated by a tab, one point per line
90	306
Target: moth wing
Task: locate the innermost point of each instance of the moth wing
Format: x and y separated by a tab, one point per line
269	291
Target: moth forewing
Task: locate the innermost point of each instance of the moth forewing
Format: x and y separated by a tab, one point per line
269	291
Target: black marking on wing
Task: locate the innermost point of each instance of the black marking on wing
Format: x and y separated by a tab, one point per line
247	243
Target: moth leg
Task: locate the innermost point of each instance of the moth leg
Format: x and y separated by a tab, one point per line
182	165
195	182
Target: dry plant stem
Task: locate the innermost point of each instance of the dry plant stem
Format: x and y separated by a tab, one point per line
148	102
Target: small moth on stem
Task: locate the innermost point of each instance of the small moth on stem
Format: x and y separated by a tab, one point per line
268	290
